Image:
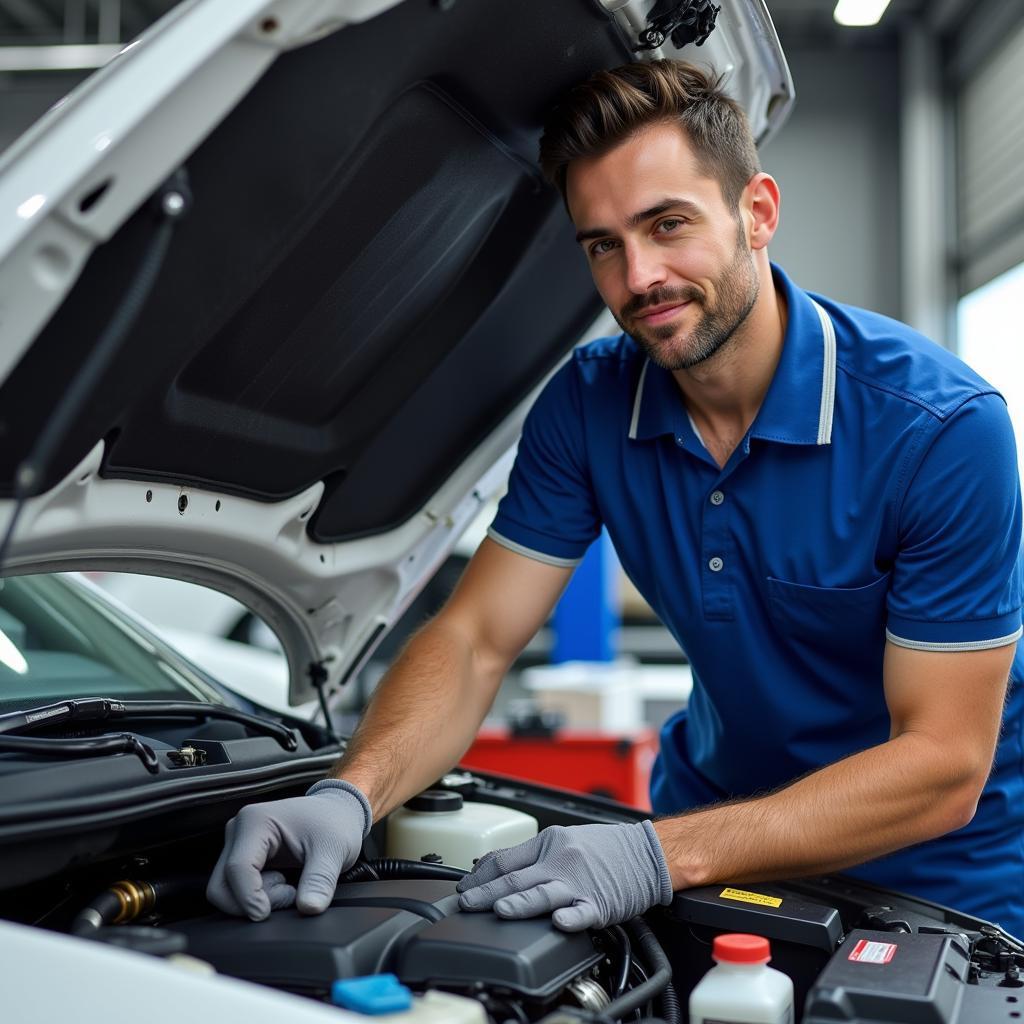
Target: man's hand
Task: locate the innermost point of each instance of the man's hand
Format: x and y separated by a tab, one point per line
322	831
591	876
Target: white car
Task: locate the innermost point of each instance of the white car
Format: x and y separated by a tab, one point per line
277	286
225	638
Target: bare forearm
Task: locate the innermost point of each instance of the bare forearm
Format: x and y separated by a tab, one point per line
882	799
422	717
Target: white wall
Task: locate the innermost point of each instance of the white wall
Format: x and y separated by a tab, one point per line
837	163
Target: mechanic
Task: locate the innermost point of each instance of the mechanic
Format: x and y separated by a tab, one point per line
820	504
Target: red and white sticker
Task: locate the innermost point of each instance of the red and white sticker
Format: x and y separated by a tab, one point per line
866	952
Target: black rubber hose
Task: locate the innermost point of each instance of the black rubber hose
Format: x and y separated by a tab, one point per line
361	872
657	959
657	982
670	1008
186	890
626	950
96	914
84	746
100	709
391	867
195	709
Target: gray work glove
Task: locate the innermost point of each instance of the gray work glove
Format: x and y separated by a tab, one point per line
591	876
322	831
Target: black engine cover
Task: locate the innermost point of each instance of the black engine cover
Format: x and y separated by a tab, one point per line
531	958
412	928
893	978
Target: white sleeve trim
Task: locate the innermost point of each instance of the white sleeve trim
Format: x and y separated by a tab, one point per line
964	645
537	556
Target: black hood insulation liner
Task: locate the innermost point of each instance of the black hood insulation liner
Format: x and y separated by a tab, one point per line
372	276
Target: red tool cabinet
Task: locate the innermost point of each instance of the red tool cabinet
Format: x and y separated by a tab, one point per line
586	761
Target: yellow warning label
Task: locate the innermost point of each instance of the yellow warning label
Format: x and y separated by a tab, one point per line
750	897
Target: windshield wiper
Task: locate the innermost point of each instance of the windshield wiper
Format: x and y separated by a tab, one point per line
93	709
90	746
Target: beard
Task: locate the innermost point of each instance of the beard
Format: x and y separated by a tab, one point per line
668	345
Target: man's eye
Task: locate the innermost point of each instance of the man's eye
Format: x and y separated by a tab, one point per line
605	245
669	224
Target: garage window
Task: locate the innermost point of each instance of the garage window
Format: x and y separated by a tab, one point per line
989	334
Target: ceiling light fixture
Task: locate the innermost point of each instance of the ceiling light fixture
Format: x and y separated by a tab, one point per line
859	12
62	57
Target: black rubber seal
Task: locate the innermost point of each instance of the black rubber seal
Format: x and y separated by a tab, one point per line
435	800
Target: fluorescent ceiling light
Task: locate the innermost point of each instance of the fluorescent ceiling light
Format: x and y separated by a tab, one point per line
57	58
859	12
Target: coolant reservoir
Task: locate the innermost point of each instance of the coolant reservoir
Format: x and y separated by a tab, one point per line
437	824
742	988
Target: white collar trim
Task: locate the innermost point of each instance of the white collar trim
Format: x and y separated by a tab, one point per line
828	384
828	377
637	400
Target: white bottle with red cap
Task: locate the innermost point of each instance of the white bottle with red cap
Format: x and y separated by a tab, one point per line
742	988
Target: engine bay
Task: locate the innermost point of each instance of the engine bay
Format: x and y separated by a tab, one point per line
894	965
133	877
401	917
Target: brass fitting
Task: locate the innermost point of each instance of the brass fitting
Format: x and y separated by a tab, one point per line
135	898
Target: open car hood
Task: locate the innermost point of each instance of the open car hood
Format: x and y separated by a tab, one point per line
366	285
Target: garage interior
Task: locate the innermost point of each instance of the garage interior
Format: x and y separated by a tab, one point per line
901	118
899	167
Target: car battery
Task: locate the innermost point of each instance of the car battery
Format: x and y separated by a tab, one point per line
585	761
804	933
895	978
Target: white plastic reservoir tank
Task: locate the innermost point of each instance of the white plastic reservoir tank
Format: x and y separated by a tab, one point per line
438	823
742	988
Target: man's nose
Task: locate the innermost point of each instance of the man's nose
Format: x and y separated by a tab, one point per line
645	269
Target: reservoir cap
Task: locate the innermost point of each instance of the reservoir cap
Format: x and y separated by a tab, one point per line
435	800
374	994
741	949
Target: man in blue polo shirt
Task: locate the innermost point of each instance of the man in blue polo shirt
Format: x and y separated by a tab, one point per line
820	504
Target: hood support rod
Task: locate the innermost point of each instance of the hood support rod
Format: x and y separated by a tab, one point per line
170	202
318	677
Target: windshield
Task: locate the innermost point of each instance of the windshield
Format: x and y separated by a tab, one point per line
60	639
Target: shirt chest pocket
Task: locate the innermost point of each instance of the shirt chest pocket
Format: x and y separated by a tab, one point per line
846	622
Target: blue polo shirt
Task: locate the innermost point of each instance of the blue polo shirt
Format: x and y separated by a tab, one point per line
874	497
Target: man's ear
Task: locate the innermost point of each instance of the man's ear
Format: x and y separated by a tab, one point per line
760	206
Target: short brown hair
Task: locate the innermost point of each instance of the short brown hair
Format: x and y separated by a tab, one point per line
610	106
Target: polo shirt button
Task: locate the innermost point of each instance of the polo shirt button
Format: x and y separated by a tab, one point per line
716	564
717	497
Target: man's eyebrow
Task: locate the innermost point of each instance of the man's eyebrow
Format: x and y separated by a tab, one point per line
583	236
671	203
686	205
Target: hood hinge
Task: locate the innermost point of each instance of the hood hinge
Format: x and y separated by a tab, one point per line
691	21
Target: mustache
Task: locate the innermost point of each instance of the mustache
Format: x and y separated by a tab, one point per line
658	297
